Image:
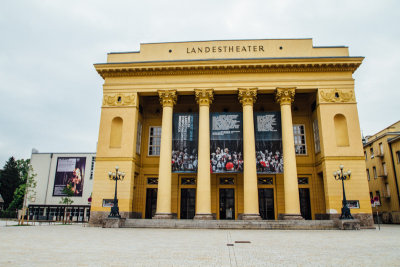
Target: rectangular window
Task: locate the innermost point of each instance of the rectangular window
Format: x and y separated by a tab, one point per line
316	136
154	141
384	168
398	156
381	148
375	174
371	195
365	155
387	190
138	137
92	168
372	152
299	134
368	175
378	194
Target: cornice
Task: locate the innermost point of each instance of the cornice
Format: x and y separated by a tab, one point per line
194	67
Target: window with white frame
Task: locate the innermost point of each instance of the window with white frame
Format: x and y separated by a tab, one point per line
369	178
154	140
381	148
375	174
372	152
92	168
384	168
299	134
138	137
316	136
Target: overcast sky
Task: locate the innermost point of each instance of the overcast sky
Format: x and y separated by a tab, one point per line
51	94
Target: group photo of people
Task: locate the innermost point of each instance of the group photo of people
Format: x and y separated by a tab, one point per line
184	160
269	157
226	158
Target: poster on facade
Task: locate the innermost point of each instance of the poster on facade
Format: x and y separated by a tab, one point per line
184	142
69	172
226	142
268	135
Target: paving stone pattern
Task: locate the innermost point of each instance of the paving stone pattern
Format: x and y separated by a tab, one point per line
76	245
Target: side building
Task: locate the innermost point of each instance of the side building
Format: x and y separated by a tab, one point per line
55	171
382	156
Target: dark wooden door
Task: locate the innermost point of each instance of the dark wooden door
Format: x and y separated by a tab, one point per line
305	205
188	203
266	203
226	204
151	202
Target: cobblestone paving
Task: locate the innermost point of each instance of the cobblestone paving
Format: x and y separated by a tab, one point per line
75	245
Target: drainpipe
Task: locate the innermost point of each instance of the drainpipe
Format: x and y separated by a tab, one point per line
394	171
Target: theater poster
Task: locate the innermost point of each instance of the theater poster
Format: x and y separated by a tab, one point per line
69	172
184	142
268	136
226	144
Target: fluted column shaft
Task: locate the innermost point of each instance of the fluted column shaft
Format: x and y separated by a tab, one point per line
204	98
163	211
285	97
247	97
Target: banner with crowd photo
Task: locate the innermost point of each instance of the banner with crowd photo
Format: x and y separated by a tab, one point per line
226	144
268	135
184	142
69	172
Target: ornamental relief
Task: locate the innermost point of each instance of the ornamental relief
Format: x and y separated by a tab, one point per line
118	99
337	96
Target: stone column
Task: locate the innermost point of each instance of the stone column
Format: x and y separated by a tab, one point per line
204	98
167	99
285	97
247	96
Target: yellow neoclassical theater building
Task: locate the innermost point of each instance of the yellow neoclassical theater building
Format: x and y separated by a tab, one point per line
230	130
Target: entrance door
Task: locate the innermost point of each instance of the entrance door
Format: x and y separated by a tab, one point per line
266	203
305	206
226	204
151	202
188	201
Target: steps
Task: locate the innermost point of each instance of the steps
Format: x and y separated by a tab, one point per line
239	224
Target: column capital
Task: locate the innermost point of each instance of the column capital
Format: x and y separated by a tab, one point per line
285	95
204	97
247	96
167	97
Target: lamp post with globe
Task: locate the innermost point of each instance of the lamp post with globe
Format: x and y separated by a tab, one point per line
340	175
117	175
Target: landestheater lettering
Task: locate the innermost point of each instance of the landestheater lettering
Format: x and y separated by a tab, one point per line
230	130
225	49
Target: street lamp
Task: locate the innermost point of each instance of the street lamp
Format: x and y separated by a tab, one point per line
340	175
115	176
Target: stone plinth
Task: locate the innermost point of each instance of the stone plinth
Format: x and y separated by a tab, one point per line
348	224
113	222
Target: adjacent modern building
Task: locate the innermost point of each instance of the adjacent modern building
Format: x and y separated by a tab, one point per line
54	172
382	157
230	130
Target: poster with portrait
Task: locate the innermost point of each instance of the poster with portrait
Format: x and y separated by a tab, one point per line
268	135
226	142
184	142
70	171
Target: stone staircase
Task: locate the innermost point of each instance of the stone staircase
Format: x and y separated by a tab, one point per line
239	224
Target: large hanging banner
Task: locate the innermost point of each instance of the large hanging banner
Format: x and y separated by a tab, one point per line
69	172
268	134
184	142
226	146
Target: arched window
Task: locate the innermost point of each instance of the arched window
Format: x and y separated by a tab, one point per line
341	131
116	132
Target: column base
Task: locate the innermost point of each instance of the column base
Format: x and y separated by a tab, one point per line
203	216
163	216
251	217
284	216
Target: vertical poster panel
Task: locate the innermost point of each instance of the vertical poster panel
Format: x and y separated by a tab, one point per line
69	172
226	147
184	142
268	134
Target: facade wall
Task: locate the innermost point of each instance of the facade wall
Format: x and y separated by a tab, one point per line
131	85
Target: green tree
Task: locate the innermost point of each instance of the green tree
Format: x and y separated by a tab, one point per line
67	200
9	181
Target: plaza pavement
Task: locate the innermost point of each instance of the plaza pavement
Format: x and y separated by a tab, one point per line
77	245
